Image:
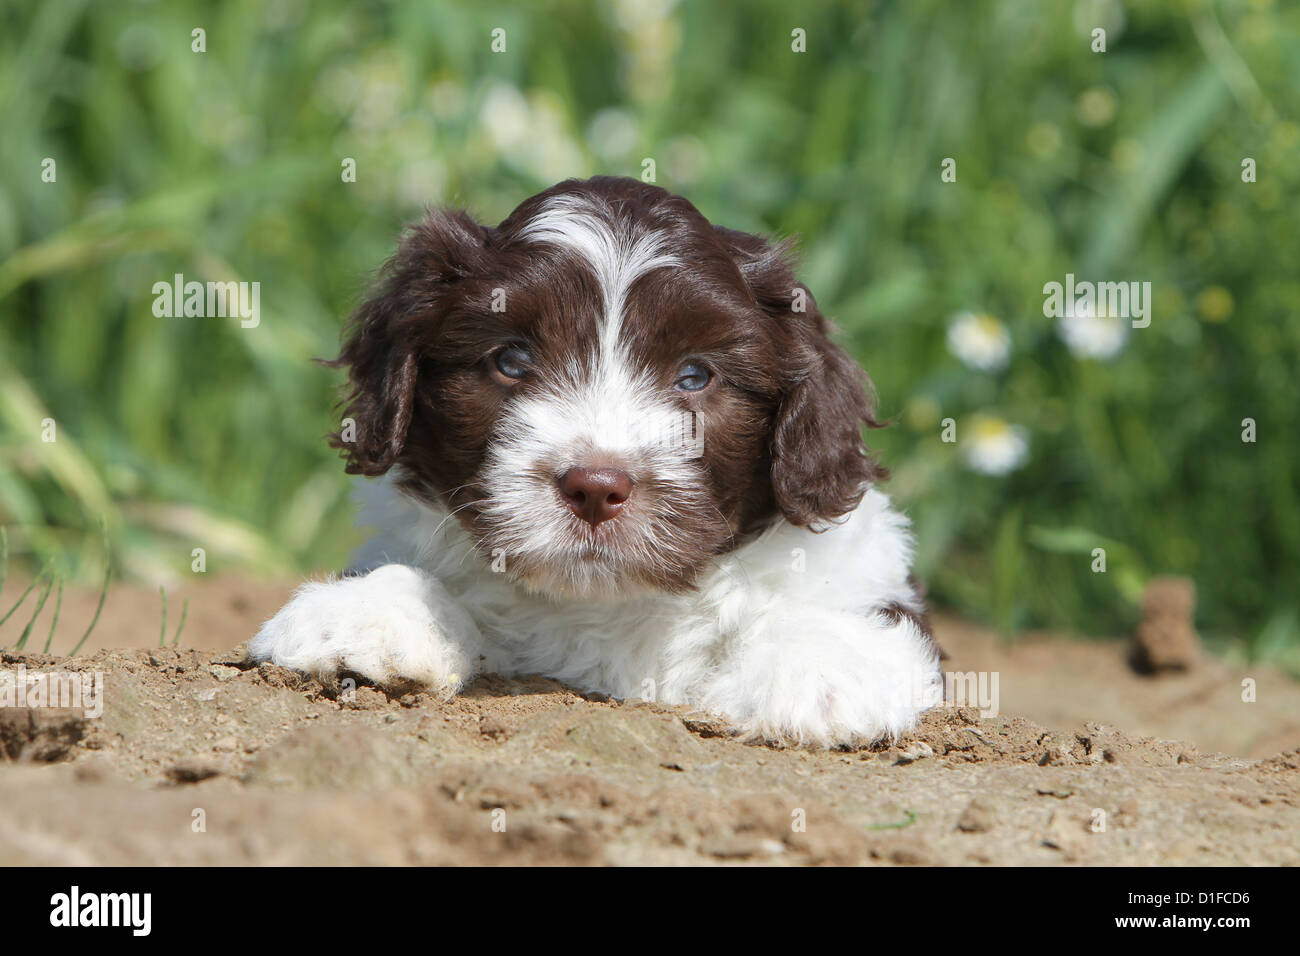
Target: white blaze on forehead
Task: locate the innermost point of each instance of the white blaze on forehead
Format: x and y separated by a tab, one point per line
617	253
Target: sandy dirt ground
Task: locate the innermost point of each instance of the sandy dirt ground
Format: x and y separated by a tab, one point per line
199	757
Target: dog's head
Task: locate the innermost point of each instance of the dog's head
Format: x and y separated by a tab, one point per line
605	390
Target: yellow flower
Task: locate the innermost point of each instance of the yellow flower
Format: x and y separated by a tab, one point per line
1096	106
1215	304
922	412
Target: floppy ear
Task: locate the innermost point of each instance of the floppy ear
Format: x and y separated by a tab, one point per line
820	466
388	334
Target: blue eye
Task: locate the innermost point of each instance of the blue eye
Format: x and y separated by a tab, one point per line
692	378
513	362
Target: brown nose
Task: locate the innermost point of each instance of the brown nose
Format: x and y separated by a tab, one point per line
595	494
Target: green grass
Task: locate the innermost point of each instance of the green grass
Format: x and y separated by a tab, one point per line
186	433
47	581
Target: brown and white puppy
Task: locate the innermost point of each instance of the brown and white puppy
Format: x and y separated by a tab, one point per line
619	450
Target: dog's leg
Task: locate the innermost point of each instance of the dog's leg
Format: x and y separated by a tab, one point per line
395	626
808	676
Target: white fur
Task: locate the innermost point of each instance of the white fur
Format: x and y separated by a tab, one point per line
613	419
396	624
798	656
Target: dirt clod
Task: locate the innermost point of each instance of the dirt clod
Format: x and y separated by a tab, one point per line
978	817
40	733
1166	637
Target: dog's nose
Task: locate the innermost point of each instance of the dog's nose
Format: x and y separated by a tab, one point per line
595	494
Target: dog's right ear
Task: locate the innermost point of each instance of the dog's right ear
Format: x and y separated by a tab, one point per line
392	331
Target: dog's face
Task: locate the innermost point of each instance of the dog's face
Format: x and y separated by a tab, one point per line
605	390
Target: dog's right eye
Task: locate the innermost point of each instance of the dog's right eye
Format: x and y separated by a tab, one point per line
513	362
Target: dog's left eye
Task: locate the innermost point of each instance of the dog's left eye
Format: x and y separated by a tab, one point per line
692	378
513	362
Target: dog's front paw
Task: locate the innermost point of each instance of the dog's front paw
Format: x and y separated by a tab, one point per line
395	626
840	683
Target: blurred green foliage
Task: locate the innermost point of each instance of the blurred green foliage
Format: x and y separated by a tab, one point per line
1123	165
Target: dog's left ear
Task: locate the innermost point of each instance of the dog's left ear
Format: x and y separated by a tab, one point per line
820	466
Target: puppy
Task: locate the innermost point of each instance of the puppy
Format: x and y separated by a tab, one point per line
619	449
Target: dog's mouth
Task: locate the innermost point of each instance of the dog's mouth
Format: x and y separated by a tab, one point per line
579	561
620	549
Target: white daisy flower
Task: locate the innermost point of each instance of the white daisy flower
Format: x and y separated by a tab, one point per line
506	117
1091	333
991	446
529	133
980	341
613	134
